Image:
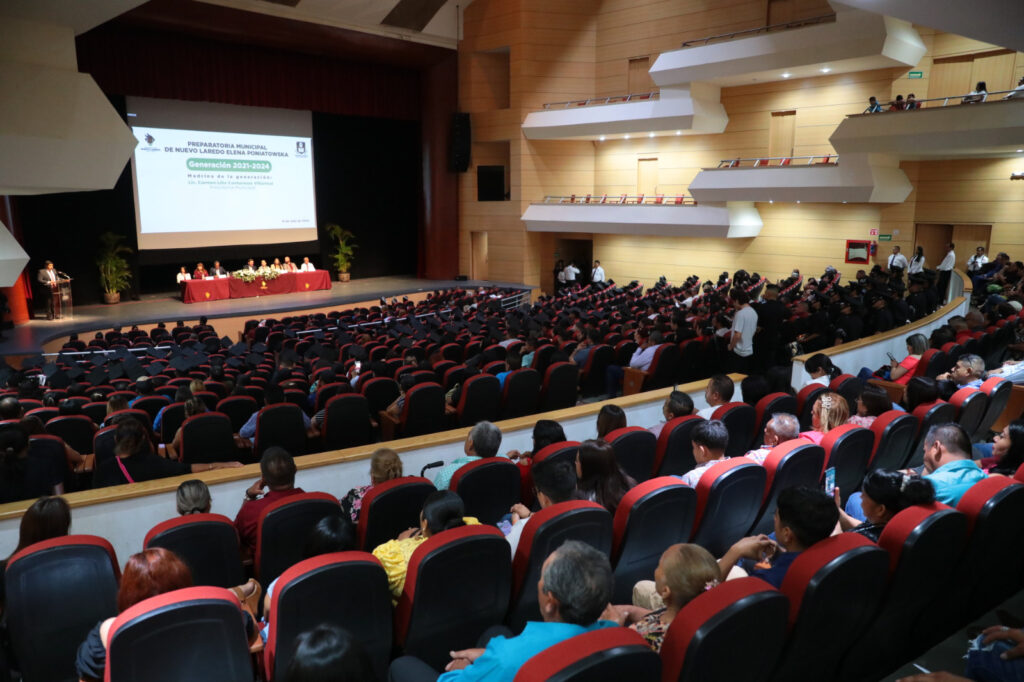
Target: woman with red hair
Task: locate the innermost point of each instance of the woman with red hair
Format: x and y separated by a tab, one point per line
147	574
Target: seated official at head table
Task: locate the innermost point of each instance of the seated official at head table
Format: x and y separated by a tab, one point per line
306	265
218	270
200	272
183	275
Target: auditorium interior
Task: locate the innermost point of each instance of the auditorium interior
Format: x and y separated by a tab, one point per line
563	212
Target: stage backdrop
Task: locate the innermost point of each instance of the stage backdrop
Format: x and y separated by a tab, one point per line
373	161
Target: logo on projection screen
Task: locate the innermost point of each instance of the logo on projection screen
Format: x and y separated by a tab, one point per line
300	149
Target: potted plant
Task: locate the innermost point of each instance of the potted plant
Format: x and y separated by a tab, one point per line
115	275
343	251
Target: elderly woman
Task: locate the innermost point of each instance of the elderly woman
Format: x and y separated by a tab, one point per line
830	410
384	466
684	572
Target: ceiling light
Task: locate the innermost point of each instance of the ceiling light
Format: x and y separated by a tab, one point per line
825	69
798	201
650	134
679	132
625	137
786	75
1020	150
601	139
844	202
771	201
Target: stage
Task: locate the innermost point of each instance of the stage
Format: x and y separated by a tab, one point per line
29	338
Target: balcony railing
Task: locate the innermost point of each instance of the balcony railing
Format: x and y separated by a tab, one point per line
779	162
800	23
939	102
598	101
635	199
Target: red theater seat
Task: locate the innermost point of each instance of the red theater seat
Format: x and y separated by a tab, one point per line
702	641
740	420
564	450
971	405
282	531
488	487
729	496
939	412
895	435
805	400
767	407
998	392
674	453
847	449
208	543
606	654
793	463
280	425
423	411
635	449
391	507
450	568
521	393
207	437
347	422
479	400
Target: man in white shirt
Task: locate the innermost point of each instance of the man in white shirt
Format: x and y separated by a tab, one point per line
975	262
306	265
1018	92
641	360
744	326
570	273
710	438
897	260
946	271
555	482
718	392
597	274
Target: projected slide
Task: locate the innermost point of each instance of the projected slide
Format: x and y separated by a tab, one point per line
192	180
209	174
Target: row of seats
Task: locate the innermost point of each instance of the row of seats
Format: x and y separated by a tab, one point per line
933	569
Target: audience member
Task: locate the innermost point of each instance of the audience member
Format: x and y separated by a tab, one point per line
821	369
781	428
48	517
830	410
684	572
718	392
647	345
804	516
483	440
947	463
573	591
610	418
277	475
555	481
193	406
385	464
872	403
23	477
968	372
328	653
545	432
920	391
442	510
513	361
1005	454
873	106
979	258
193	497
744	326
753	388
677	404
978	94
600	478
710	438
883	495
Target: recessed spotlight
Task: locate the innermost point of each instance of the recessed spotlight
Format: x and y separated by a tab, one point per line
601	139
679	132
650	134
798	201
844	202
1020	150
771	201
786	75
625	137
825	69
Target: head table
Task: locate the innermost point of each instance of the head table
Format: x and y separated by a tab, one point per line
220	288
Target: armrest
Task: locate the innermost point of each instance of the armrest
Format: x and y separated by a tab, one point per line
894	389
632	380
388	426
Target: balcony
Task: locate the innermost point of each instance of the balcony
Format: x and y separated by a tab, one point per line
676	216
689	109
861	178
941	128
855	41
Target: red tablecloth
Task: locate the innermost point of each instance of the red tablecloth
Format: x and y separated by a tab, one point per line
198	290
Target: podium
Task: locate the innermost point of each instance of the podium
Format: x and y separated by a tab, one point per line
62	305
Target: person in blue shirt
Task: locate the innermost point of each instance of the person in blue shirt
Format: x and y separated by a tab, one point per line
483	440
513	361
573	591
271	396
948	464
804	516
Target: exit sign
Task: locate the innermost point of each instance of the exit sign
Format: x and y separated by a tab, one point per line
916	74
885	237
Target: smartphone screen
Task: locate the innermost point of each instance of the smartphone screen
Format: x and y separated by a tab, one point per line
830	481
359	366
891	357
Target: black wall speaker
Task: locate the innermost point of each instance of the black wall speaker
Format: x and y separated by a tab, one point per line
458	154
490	183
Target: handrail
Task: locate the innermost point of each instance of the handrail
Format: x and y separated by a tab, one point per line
635	199
824	18
958	99
783	161
611	99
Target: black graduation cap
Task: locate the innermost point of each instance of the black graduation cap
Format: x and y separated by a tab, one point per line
132	367
179	363
254	358
474	327
99	359
435	337
259	348
237	349
357	352
225	342
405	342
154	368
96	376
319	334
235	362
32	361
542	317
116	371
157	353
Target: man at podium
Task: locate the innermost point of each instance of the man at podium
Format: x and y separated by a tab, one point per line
47	278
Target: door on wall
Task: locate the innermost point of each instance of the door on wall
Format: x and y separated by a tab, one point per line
781	132
967	239
478	251
934	239
647	177
639	76
953	76
579	251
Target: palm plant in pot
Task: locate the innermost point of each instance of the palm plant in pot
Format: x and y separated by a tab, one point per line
115	274
344	248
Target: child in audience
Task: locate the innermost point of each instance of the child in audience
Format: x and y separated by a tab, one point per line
710	438
872	402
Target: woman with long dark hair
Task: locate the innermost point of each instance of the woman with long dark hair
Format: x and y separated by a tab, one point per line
1007	450
883	495
601	479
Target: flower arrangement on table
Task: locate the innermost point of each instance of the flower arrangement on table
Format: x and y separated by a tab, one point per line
249	276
